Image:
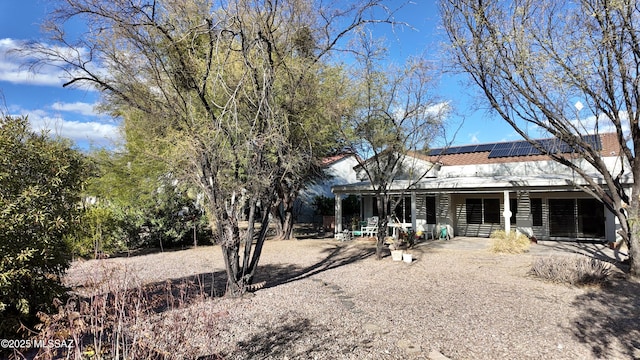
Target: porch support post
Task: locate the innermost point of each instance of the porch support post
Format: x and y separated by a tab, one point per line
507	212
414	211
338	213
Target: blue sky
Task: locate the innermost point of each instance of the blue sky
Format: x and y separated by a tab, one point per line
70	112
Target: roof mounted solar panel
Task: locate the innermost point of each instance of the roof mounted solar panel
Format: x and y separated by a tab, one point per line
484	147
501	150
521	148
467	149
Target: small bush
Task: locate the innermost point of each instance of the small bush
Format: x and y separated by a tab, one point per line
577	270
514	243
117	317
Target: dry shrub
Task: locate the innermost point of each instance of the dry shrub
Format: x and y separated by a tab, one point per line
574	270
513	243
117	317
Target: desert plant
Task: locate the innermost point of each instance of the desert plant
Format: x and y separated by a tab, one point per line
118	317
573	270
512	243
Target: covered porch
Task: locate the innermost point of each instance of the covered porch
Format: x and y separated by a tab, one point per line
547	207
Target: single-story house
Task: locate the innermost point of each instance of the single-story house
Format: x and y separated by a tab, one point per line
476	189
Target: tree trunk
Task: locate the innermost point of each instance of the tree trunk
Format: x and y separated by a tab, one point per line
229	233
287	219
634	235
381	203
240	275
282	213
278	220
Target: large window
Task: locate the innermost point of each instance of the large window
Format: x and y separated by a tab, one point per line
583	218
483	211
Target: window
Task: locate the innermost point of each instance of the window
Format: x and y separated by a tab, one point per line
474	211
430	206
402	210
483	211
513	207
536	211
492	211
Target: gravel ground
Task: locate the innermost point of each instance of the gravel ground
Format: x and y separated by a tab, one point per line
324	299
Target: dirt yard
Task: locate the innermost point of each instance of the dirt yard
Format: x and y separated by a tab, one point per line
329	300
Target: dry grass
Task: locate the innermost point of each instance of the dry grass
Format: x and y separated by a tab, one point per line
513	243
573	270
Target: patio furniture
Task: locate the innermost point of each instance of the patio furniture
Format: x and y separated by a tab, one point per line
343	236
372	227
358	232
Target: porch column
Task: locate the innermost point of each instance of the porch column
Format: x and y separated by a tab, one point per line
507	212
338	214
414	212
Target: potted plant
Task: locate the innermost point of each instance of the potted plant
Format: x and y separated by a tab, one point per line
397	248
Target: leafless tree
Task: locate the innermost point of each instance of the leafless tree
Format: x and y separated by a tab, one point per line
397	117
534	60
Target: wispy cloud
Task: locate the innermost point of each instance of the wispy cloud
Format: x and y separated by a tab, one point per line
75	107
14	65
83	133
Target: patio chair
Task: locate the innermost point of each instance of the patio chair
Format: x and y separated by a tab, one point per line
372	227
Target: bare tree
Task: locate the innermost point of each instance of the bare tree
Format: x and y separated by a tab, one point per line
204	82
534	60
397	115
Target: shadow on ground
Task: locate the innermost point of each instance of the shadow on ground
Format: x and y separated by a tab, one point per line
275	343
595	249
179	292
335	257
610	315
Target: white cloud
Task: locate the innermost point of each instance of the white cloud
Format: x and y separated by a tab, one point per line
13	66
81	132
473	138
76	107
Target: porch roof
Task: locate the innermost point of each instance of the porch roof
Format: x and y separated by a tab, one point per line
471	184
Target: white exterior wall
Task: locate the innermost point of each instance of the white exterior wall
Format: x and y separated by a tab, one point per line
340	172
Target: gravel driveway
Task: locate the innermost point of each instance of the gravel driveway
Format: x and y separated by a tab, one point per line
329	300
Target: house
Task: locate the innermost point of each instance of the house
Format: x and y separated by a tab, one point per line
477	189
338	170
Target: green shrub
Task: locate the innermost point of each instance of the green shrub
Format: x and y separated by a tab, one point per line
574	270
514	243
40	183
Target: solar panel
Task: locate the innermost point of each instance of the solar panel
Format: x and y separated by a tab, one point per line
518	148
501	146
499	153
501	150
467	149
484	147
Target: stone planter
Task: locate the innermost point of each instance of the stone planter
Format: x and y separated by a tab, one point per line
408	258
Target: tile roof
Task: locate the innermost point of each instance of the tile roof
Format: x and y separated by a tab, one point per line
482	154
333	159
